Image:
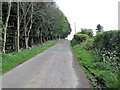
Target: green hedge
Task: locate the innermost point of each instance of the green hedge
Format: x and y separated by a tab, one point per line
89	44
108	47
89	32
79	38
109	40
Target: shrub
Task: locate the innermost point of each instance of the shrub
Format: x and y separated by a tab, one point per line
89	44
79	38
74	42
109	40
89	32
107	45
82	37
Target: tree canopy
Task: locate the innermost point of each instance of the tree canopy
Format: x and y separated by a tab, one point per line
89	32
99	28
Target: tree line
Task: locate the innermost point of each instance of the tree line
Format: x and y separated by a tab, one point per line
25	24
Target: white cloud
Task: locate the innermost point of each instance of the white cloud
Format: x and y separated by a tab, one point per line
89	13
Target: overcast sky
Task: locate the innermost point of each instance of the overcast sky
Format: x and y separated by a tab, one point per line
89	13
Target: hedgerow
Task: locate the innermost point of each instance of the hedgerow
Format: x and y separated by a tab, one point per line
105	51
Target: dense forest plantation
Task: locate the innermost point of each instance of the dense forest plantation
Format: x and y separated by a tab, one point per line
99	55
26	24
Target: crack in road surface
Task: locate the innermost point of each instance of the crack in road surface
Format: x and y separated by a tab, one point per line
54	68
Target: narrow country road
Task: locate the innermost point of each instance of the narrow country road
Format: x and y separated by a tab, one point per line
54	68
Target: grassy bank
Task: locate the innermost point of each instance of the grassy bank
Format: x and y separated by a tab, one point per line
97	71
11	60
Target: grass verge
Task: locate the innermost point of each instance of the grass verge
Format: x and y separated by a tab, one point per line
98	72
12	60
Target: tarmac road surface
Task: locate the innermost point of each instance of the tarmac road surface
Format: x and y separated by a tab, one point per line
54	68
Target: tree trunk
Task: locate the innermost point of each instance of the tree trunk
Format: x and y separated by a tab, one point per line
0	25
31	42
0	14
25	33
18	29
6	25
41	37
26	42
31	23
26	46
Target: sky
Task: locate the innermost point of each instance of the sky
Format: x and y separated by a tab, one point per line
89	13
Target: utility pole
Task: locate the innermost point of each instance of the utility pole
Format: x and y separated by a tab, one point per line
75	27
